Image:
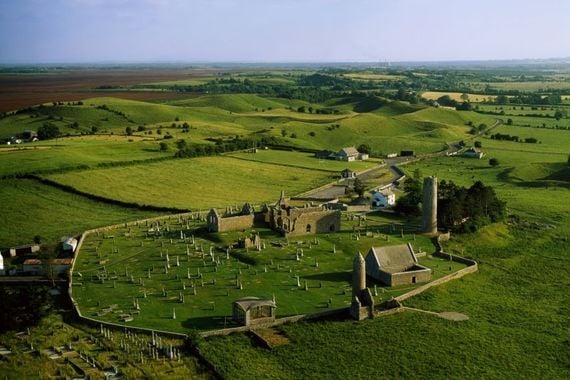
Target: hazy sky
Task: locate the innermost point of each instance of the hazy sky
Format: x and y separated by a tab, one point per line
282	30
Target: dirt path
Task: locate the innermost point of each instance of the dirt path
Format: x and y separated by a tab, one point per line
449	315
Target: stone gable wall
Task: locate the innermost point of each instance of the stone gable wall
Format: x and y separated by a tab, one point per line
235	223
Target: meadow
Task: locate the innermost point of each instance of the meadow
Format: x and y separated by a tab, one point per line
195	183
30	208
306	160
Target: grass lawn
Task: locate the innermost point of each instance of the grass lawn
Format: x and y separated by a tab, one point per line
71	152
305	160
197	183
30	208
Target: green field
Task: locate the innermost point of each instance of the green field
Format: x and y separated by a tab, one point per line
305	160
31	208
198	183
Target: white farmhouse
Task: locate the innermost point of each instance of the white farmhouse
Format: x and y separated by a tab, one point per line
350	154
383	198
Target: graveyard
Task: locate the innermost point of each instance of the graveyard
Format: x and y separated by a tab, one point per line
172	275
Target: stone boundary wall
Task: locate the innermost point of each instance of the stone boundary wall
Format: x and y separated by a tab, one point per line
277	322
472	268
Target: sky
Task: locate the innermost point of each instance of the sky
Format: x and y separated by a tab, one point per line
98	31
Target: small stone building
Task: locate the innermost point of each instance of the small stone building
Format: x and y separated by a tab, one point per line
396	265
473	153
347	173
249	311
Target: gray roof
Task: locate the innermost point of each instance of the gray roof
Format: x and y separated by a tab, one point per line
394	258
247	303
350	151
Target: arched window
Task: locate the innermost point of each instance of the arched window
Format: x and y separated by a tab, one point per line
331	228
308	228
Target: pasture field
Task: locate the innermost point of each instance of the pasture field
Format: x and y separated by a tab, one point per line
196	183
305	160
518	110
134	264
477	98
525	86
372	76
30	208
72	152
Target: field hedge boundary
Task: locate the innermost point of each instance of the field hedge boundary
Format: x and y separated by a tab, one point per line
98	198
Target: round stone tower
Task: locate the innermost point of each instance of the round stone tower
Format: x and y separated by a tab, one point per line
358	275
429	205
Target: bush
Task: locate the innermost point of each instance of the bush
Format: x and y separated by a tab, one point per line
48	131
163	146
494	162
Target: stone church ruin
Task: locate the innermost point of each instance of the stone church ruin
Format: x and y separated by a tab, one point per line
281	217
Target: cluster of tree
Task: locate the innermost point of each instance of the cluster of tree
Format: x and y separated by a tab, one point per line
222	146
447	101
467	209
406	95
458	208
104	107
507	137
408	204
48	131
477	129
535	98
23	306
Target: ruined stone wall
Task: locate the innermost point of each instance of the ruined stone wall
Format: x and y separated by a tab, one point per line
235	223
405	278
472	268
319	222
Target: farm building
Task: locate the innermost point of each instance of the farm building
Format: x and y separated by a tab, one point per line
253	310
383	198
69	244
347	173
396	265
473	153
350	154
